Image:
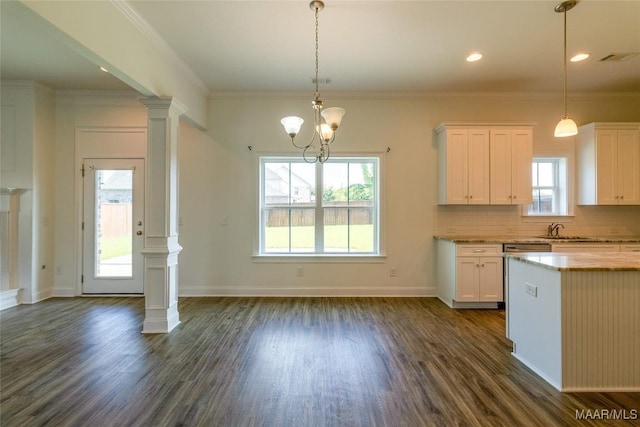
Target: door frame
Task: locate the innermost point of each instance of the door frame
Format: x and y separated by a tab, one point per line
124	142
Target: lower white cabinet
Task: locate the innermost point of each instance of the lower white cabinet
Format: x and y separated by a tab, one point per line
470	275
478	279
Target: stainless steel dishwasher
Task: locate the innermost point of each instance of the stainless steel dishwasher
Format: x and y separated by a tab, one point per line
522	248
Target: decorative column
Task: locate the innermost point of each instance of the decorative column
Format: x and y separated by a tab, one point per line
161	246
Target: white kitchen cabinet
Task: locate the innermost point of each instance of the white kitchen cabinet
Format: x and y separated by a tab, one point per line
464	166
478	278
585	247
470	275
511	155
630	247
485	163
609	164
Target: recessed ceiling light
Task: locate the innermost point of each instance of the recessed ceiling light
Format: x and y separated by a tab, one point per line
474	57
104	69
579	57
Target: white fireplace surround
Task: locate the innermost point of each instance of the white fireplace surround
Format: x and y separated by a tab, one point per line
9	218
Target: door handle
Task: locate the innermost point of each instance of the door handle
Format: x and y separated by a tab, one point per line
139	233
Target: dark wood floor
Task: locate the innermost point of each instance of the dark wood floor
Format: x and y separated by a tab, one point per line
275	362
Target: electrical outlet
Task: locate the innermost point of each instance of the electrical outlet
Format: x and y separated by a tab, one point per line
393	272
58	269
531	289
300	272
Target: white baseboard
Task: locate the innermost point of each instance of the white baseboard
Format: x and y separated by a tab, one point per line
64	292
37	297
260	291
9	298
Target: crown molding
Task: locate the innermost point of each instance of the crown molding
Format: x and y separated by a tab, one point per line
157	40
539	96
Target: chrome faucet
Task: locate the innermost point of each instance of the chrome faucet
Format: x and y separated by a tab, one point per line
553	230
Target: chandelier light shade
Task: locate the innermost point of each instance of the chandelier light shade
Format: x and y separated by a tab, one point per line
566	126
326	120
292	125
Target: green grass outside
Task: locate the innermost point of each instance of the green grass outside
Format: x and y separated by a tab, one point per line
111	247
335	237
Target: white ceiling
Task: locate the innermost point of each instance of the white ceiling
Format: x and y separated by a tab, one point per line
365	46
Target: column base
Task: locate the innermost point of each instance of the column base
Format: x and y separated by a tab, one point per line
158	321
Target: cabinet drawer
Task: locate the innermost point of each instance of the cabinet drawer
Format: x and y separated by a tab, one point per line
630	248
478	250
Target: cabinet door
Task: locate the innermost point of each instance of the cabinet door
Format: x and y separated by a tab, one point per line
511	157
491	280
628	169
521	159
457	164
478	177
467	279
606	164
501	168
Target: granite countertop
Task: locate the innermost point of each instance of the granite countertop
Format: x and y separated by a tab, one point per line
581	261
538	239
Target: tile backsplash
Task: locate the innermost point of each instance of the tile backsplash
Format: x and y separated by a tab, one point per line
602	221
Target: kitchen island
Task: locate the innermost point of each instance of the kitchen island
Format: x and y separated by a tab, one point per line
574	318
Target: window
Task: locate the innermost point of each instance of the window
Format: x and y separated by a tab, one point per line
330	208
549	179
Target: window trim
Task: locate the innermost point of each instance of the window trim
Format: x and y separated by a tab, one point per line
329	257
569	156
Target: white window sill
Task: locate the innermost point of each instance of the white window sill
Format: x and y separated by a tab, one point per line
320	259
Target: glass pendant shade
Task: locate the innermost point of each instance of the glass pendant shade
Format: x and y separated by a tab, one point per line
333	116
292	125
566	127
325	131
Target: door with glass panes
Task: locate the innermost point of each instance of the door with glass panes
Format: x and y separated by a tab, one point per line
113	229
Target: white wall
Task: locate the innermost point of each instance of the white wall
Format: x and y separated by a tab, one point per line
218	177
218	188
27	150
218	196
43	194
74	110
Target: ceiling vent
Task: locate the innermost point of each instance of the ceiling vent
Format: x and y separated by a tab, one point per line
617	57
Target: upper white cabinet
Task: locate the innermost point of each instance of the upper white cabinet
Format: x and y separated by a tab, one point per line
485	163
464	166
609	164
511	155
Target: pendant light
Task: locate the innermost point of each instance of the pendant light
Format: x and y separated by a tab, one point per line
326	121
566	126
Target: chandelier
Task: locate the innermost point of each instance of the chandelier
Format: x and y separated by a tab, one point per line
566	126
325	120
